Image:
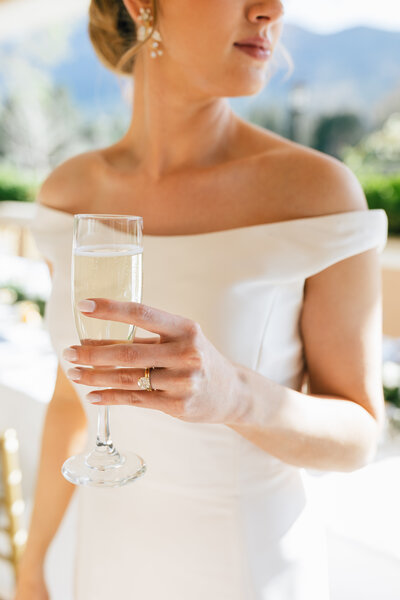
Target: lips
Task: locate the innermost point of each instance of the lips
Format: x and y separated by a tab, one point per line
254	51
250	46
257	41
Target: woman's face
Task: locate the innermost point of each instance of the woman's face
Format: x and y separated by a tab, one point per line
198	38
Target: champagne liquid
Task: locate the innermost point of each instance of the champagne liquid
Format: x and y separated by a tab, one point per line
112	271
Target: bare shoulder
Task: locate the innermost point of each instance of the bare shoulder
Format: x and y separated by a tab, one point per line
310	182
332	186
72	184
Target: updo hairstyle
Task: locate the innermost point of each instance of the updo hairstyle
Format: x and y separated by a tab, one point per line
112	32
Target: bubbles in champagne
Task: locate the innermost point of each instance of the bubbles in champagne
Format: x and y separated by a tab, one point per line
112	271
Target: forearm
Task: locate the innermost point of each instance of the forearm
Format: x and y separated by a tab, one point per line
306	430
64	434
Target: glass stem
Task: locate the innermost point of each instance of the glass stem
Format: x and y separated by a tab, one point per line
103	429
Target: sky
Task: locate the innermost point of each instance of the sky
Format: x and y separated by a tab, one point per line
325	16
322	16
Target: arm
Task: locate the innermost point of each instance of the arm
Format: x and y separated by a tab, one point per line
316	431
64	434
337	424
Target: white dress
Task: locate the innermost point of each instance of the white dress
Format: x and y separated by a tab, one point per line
215	517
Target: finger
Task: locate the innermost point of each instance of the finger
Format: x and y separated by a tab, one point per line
125	379
155	400
177	381
169	354
141	340
137	313
147	340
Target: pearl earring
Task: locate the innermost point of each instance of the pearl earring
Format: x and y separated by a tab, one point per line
147	18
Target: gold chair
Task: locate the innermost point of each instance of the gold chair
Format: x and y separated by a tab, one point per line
12	505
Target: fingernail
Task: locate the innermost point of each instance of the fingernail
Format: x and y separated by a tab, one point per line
70	354
86	305
93	398
74	374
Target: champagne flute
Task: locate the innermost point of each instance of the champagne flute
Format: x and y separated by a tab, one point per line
107	262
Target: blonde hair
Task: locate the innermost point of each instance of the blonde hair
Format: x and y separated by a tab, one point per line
113	34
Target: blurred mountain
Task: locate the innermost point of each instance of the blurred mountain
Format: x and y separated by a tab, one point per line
354	67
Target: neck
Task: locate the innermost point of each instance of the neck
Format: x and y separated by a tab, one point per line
173	127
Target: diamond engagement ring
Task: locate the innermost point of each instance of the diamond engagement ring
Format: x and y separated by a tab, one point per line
144	382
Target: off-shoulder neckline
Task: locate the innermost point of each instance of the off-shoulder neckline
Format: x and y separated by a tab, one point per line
254	227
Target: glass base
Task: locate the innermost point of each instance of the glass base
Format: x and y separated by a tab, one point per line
103	468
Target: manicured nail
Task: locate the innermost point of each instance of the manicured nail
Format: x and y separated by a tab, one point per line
74	374
70	354
86	305
93	398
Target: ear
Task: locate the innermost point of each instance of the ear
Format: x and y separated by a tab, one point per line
133	7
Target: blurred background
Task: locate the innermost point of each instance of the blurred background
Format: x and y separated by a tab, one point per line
341	96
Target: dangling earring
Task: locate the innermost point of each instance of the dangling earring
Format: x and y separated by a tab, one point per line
147	18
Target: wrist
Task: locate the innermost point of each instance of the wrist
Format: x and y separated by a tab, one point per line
242	396
31	562
258	399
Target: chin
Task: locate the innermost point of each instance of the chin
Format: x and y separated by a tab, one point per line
246	88
247	81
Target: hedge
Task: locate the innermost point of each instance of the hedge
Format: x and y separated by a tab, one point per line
14	186
383	191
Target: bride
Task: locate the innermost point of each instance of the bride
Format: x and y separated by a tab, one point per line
262	298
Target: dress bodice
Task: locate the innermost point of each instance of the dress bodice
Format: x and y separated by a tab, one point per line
244	287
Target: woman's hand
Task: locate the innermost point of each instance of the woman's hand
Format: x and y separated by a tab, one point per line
193	381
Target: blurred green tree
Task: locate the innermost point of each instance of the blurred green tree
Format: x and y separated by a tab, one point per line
271	117
377	152
333	132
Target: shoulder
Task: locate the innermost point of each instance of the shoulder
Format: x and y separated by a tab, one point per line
330	184
72	184
312	183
